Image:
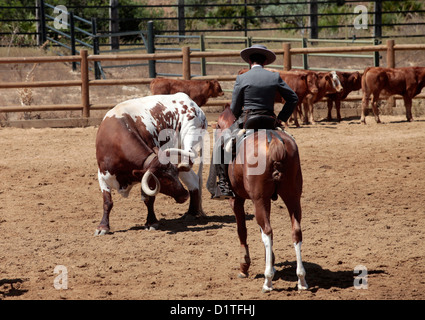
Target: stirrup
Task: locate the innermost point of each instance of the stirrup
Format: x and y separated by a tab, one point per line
222	195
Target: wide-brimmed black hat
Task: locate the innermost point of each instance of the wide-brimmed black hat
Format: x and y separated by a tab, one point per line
258	48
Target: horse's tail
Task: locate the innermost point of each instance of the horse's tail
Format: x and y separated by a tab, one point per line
277	154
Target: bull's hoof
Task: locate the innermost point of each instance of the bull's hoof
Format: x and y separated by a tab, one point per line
152	227
189	217
242	275
193	215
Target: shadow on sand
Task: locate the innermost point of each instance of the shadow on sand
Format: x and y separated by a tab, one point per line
317	277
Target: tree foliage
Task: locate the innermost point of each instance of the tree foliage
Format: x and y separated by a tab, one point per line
130	15
223	14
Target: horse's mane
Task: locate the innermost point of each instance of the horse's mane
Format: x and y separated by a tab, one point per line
226	118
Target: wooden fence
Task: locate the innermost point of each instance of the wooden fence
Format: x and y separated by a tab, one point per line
185	55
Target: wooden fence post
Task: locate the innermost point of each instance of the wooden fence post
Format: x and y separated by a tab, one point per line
390	64
390	54
85	98
186	63
287	65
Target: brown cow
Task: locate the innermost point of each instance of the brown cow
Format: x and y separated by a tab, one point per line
407	82
350	81
326	82
198	90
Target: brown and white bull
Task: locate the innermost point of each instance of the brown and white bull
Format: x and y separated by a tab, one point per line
198	90
136	143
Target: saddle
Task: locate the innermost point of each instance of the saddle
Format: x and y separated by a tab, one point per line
252	124
260	121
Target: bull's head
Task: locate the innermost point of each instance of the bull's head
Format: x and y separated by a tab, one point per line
163	175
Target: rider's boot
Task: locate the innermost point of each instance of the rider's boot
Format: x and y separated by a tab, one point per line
223	189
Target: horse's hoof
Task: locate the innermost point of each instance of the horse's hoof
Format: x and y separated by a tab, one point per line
266	289
302	284
242	275
101	232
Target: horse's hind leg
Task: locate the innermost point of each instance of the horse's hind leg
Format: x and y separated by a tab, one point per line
262	214
293	204
237	205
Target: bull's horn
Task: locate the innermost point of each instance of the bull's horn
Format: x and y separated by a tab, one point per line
185	153
145	186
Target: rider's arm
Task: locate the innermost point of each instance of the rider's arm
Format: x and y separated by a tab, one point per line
237	99
291	100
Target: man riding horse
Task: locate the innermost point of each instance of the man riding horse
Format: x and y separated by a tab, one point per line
253	95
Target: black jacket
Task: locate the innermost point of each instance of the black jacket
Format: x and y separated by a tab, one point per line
256	89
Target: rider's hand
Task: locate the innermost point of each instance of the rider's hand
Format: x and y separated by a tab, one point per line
279	123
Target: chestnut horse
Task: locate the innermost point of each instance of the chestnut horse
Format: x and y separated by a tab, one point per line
280	175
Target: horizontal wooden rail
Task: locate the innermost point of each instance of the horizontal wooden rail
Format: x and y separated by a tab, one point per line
220	54
409	47
218	78
338	49
123	57
40	59
40	84
113	82
54	107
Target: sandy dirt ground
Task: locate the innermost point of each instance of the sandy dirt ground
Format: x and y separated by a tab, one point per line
363	204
